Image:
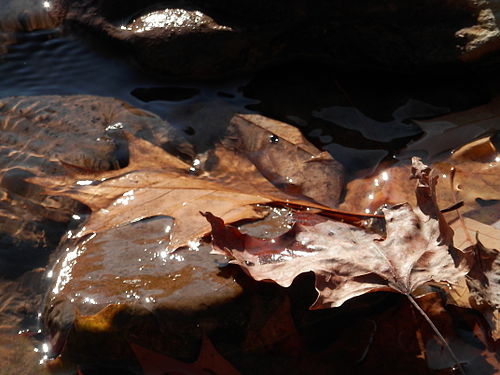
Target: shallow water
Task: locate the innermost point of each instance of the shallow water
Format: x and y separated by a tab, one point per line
361	119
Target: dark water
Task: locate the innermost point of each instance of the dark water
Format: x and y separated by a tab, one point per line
362	119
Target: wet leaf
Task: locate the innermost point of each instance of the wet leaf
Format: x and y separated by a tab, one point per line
282	154
158	183
475	183
484	285
350	261
480	290
466	230
481	150
209	362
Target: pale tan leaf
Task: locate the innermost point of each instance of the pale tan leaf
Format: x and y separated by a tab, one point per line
481	150
466	230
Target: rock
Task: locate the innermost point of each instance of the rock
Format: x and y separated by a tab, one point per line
121	288
212	38
39	136
27	15
24	15
483	37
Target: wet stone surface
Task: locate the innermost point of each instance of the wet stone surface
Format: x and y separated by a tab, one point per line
121	287
41	134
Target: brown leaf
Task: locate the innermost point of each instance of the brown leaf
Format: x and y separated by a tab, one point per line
282	154
467	229
158	183
481	289
484	285
481	150
209	362
472	180
350	261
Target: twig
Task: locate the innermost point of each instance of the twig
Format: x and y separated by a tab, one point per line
436	331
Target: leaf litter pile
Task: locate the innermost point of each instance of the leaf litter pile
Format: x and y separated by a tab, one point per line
409	248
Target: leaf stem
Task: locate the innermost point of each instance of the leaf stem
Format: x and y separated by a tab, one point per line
436	331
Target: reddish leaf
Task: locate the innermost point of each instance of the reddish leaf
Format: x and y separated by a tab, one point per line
209	362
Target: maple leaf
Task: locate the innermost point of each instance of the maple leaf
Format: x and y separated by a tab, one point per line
349	261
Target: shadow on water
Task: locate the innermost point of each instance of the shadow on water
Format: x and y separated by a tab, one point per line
362	119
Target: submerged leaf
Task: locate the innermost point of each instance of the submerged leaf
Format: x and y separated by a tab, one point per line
209	362
158	183
349	261
282	154
476	183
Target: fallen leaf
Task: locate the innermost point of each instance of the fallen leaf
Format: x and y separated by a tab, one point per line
481	150
466	230
480	290
484	284
282	154
209	362
157	183
349	261
473	181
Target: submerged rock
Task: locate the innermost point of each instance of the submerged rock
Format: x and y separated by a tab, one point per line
40	135
118	293
24	15
216	37
27	15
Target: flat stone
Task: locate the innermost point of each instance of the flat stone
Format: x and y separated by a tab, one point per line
39	136
120	287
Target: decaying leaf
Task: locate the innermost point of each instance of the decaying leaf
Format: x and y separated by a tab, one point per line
350	261
481	150
480	290
466	230
282	154
476	183
483	282
209	362
158	183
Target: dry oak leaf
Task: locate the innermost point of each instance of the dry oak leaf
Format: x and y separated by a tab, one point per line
349	261
480	289
468	231
158	183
